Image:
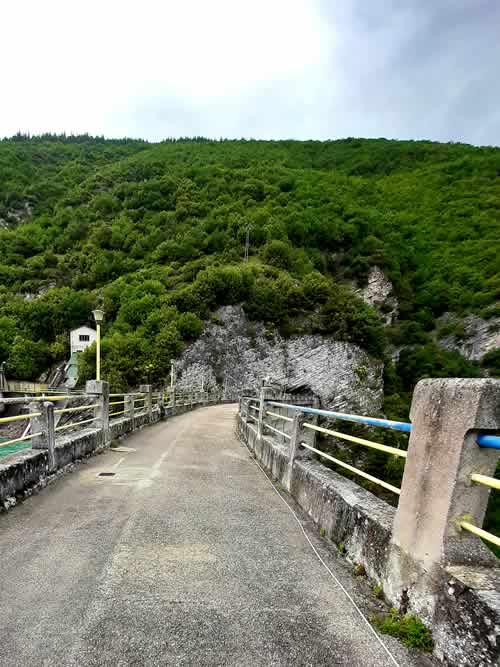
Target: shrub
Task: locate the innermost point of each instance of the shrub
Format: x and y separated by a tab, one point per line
277	253
409	629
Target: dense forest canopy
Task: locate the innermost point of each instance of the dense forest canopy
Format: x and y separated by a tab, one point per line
154	233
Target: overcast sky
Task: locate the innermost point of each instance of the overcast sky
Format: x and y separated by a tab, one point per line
252	68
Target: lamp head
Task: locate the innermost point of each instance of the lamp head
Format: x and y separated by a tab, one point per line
98	316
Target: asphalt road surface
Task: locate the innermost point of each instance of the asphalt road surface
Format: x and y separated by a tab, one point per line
185	556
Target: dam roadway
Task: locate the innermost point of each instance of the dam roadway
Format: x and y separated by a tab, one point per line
183	555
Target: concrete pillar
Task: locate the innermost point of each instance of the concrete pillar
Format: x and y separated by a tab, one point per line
299	435
437	492
172	374
98	391
262	398
130	408
44	424
147	390
161	403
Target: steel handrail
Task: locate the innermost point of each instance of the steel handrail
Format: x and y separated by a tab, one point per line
271	428
75	424
78	408
121	412
275	414
360	441
367	421
484	534
483	439
21	439
18	418
492	482
354	470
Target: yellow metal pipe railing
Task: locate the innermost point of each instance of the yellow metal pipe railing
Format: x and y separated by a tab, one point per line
18	418
21	439
489	537
360	441
485	480
354	470
271	428
79	408
75	424
121	412
275	414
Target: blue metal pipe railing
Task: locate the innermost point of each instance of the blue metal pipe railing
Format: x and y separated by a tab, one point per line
369	421
489	441
483	440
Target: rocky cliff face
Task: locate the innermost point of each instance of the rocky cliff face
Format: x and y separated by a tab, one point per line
473	337
379	294
240	353
16	215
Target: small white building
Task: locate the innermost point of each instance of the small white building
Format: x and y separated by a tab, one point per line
81	338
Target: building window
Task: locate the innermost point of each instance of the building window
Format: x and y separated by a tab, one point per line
84	337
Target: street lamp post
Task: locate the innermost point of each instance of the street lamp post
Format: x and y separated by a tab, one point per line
98	317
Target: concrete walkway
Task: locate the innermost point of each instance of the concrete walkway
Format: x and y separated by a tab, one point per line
185	556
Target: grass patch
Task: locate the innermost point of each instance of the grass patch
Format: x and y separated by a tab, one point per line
409	629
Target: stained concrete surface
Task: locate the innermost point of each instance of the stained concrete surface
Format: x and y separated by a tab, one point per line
186	556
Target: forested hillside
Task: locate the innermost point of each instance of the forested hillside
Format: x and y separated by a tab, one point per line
155	235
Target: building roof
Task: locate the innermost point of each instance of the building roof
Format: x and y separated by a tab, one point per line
83	327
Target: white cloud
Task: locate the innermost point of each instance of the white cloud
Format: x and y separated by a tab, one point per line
85	66
265	68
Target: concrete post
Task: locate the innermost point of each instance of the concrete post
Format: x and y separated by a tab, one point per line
172	374
130	408
437	492
98	391
172	398
44	424
299	435
161	403
147	390
262	398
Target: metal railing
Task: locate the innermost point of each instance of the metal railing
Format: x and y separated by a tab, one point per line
367	421
123	405
267	418
483	440
31	432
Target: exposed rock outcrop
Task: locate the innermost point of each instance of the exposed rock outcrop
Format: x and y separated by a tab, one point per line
15	216
473	337
241	353
379	294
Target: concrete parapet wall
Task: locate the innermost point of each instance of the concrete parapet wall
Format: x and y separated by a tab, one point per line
466	610
29	470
